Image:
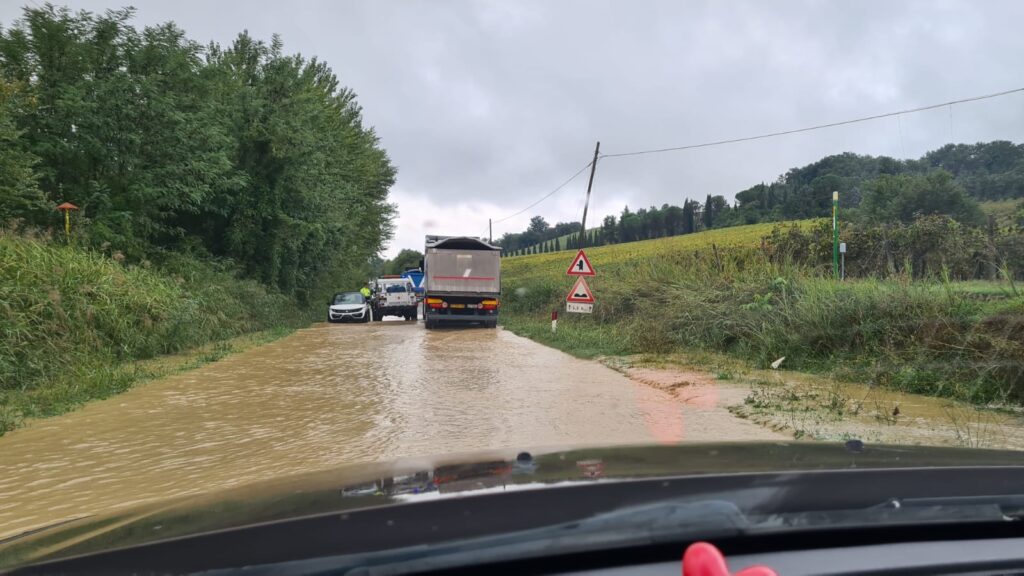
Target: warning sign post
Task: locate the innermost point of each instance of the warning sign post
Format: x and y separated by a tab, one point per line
580	266
580	292
581	298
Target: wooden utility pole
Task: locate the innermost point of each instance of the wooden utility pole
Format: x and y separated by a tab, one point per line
590	184
490	232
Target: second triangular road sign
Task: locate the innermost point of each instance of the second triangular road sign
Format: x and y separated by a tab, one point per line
580	266
580	292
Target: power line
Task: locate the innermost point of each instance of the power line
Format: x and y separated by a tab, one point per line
897	114
548	195
818	127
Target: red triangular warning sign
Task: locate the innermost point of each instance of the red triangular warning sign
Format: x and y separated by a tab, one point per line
580	292
580	266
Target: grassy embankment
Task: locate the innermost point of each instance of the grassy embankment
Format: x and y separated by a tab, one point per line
75	323
717	291
1004	211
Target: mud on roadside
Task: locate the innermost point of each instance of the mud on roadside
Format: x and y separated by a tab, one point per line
804	406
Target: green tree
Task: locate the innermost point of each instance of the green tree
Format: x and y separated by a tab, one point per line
718	206
905	197
689	224
538	225
629	226
673	219
404	260
22	198
609	229
243	153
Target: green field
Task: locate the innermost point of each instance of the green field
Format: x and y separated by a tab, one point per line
1004	211
661	249
719	291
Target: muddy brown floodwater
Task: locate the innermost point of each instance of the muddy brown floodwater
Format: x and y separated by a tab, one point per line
327	396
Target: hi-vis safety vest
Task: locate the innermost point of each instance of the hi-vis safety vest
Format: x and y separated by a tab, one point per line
365	292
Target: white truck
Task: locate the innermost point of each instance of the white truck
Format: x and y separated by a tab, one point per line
393	295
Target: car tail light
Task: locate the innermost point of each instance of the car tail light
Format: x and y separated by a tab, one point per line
434	302
489	304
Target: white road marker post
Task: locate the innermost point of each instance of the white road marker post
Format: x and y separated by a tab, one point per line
554	321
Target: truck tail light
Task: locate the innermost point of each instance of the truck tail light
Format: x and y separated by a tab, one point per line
434	302
489	304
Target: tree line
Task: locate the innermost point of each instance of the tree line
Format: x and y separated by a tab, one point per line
239	153
948	181
629	226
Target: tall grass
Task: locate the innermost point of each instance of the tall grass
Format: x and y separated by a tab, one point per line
70	317
723	293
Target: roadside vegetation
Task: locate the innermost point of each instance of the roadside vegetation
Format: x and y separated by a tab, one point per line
73	321
220	190
239	153
906	318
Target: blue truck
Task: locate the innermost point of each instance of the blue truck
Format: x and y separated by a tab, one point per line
416	276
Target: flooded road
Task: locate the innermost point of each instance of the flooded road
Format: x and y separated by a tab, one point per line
326	396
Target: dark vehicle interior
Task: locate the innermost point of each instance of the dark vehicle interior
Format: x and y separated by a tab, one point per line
955	520
348	298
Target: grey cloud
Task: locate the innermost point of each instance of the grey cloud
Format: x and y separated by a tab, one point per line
500	101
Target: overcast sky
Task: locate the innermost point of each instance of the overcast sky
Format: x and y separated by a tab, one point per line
486	106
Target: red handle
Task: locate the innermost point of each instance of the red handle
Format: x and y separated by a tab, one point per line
703	559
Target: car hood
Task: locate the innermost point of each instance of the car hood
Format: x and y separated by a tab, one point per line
346	307
406	481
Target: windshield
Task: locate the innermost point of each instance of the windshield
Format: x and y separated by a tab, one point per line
348	298
627	225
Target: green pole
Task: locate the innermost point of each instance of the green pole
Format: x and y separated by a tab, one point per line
835	234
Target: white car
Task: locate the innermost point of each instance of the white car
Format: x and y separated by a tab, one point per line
349	306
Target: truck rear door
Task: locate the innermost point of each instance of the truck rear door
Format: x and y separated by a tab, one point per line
464	271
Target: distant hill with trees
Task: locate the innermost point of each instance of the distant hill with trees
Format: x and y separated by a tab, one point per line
948	181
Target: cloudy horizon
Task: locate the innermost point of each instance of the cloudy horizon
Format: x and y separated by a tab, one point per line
484	107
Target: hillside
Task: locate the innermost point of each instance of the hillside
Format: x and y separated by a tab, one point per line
948	181
719	291
1006	212
622	257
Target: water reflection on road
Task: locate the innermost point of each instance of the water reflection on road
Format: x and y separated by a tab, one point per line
325	396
